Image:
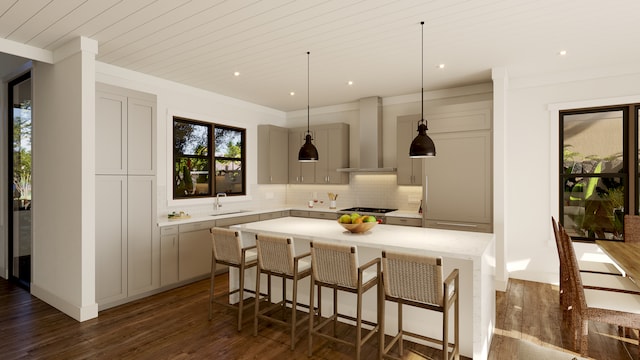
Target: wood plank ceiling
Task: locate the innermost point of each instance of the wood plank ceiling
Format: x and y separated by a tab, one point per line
374	43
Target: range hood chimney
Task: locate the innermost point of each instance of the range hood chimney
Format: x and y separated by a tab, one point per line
370	136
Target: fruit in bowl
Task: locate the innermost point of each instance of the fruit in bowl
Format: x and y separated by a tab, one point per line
356	223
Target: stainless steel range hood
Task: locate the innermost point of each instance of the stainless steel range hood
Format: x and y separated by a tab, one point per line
370	136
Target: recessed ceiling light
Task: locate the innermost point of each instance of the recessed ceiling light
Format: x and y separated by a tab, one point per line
237	73
562	52
440	66
349	82
292	93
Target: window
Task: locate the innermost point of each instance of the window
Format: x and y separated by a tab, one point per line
193	159
596	171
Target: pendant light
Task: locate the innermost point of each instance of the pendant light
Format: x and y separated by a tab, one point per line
422	146
308	152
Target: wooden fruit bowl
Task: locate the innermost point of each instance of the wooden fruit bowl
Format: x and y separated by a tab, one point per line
359	228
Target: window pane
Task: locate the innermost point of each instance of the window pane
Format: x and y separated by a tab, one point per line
594	178
593	142
190	138
192	177
228	143
229	176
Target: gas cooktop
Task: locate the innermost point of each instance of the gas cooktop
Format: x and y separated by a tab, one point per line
368	210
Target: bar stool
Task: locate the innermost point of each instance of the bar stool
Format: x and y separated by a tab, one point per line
227	250
336	266
416	280
276	257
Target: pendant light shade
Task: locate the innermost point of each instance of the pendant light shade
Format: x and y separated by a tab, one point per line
422	146
308	152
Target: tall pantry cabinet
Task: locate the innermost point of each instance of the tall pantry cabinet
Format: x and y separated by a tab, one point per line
127	248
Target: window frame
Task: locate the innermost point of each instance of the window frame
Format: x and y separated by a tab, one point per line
630	176
211	158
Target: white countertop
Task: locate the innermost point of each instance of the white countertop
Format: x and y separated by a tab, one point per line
223	214
451	243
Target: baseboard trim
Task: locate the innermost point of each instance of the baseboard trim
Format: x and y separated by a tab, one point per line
78	313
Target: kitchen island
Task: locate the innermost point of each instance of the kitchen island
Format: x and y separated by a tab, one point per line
472	253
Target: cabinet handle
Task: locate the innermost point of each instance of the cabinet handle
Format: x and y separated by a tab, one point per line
301	178
456	224
270	178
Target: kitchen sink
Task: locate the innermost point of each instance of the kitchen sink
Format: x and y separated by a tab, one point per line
228	212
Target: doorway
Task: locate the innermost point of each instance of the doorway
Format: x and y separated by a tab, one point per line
19	170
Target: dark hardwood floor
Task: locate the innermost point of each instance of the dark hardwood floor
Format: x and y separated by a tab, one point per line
174	325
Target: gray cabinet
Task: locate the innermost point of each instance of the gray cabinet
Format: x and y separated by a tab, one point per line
458	187
409	170
194	250
332	142
127	244
299	172
404	221
273	154
168	255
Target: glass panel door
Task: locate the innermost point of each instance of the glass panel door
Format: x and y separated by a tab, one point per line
20	188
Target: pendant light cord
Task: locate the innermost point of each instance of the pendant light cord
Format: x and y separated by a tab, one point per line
422	74
308	111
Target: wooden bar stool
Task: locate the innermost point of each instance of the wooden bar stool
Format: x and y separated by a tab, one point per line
276	257
336	266
227	250
416	280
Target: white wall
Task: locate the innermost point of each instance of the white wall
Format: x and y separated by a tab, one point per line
178	99
531	148
63	261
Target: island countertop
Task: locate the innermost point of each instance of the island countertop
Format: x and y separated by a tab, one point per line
450	243
470	252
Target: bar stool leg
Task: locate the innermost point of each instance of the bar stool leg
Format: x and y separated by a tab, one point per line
257	303
311	315
241	296
294	302
211	287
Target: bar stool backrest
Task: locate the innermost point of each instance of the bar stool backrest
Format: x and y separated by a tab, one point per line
632	228
413	277
335	264
227	245
275	253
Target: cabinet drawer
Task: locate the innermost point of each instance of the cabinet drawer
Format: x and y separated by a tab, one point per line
272	215
323	215
197	226
392	220
299	213
462	226
169	230
237	220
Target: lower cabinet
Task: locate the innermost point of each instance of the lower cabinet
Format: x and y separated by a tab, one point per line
194	250
404	221
168	255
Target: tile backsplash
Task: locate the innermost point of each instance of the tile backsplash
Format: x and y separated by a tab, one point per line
370	190
379	190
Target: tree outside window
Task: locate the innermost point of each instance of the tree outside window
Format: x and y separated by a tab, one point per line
193	160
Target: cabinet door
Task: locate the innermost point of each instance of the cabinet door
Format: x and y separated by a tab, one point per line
168	259
143	248
111	133
322	137
111	238
409	170
337	144
299	173
141	132
459	178
273	155
194	254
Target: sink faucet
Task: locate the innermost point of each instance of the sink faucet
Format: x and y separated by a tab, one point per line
217	205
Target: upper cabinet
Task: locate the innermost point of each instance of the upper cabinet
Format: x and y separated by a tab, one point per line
299	172
457	182
409	170
273	154
125	130
332	142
